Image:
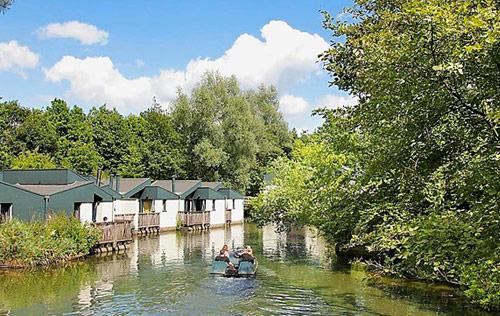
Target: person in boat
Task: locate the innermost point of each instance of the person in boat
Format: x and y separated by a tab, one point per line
225	249
247	255
224	256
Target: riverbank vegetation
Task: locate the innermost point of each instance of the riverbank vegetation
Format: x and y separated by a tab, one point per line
217	133
59	239
407	179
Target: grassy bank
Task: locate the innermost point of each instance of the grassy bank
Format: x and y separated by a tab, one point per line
59	239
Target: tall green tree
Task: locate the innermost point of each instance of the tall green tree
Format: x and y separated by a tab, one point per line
227	134
75	145
162	156
411	172
111	136
5	5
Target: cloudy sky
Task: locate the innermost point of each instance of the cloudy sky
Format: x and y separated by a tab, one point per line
123	53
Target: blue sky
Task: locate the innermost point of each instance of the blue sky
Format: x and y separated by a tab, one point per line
123	52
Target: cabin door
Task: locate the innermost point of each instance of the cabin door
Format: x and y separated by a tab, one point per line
199	205
147	206
76	211
94	211
5	212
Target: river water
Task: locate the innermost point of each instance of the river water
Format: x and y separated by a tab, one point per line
169	275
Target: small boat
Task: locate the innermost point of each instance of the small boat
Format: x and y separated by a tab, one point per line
239	269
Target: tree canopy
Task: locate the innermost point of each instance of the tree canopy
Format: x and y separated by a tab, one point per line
411	171
217	133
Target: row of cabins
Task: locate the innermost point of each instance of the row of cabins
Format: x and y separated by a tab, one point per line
142	202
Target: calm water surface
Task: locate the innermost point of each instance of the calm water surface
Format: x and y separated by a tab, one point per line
169	274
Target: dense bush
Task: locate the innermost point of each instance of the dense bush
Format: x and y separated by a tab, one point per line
35	243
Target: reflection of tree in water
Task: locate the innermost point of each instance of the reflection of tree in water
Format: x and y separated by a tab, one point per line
196	245
295	244
253	236
27	289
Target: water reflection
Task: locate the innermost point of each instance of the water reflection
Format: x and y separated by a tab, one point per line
169	274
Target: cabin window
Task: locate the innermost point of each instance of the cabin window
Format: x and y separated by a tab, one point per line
213	205
234	204
187	206
164	205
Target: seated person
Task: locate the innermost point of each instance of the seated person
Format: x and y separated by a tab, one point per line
222	257
248	255
225	249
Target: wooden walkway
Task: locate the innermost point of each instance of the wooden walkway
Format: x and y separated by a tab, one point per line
113	235
148	223
196	220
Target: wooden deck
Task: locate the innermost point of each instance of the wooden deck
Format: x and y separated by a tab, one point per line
148	223
114	234
194	219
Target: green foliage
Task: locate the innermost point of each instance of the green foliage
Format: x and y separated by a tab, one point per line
32	160
35	243
411	172
218	133
5	5
227	134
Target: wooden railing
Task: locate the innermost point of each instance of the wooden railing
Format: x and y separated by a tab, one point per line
125	217
149	220
194	218
114	232
228	216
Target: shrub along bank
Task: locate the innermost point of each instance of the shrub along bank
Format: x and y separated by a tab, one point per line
24	244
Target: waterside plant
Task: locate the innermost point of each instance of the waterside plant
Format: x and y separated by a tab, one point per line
60	238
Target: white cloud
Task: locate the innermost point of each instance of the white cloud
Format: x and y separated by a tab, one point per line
87	34
301	130
15	57
96	79
331	101
284	57
292	105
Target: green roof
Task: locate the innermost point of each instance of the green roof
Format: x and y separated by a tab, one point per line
231	194
183	188
157	193
41	176
106	188
206	194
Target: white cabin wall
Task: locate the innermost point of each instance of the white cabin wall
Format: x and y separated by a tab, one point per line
104	209
180	205
217	217
168	219
86	212
237	215
128	206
